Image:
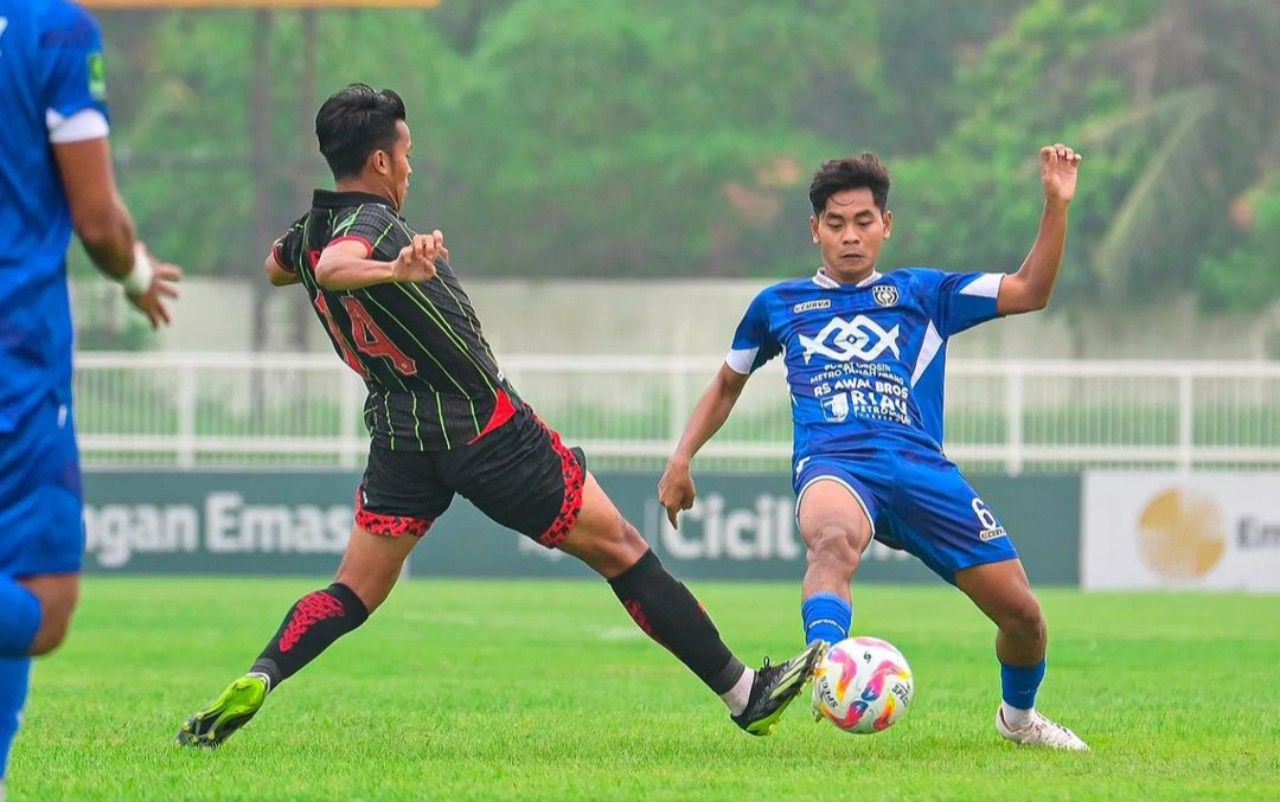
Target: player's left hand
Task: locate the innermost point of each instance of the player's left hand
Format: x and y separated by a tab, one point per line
1058	167
154	302
416	261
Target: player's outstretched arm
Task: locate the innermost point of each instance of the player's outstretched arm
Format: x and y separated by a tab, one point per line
277	274
676	490
104	226
345	265
1029	289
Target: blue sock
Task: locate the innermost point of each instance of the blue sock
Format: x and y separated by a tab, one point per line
1019	684
826	617
14	677
19	618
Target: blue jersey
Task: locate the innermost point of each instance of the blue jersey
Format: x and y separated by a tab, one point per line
51	91
865	362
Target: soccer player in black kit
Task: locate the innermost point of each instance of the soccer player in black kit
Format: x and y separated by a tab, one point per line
443	421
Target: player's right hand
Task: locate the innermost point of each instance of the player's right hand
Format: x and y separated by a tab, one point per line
152	303
1059	168
417	260
676	490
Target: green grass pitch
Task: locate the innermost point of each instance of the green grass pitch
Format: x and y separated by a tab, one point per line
544	690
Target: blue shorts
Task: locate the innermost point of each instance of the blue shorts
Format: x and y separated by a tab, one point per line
919	502
41	502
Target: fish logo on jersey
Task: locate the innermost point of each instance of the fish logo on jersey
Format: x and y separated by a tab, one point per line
843	340
885	294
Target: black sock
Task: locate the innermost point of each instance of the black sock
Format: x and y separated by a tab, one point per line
668	613
313	623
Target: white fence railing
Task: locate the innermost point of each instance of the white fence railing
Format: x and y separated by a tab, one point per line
189	410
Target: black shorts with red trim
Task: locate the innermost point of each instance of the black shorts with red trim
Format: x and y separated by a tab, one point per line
519	474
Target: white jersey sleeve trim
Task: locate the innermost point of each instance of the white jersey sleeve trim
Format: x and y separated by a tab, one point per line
740	360
79	127
928	350
985	286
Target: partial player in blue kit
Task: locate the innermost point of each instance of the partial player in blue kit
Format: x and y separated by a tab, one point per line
865	354
55	176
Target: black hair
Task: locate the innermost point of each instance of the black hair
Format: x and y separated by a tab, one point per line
355	122
852	172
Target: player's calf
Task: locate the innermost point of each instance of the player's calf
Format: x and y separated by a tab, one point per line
665	609
667	612
1002	592
670	614
659	603
312	625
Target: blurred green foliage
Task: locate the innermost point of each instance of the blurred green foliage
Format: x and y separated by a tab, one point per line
667	138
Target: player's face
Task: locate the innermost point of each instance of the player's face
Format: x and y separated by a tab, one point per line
849	232
399	169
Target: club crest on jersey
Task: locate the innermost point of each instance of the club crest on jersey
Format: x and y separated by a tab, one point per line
843	340
835	408
809	306
885	294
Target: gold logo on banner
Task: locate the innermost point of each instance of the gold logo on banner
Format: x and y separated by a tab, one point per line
1181	535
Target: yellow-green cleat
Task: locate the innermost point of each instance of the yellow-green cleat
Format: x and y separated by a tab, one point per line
775	687
229	712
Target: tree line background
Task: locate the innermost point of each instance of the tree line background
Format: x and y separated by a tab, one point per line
667	138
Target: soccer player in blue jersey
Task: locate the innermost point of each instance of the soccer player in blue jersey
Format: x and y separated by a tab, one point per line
864	353
55	175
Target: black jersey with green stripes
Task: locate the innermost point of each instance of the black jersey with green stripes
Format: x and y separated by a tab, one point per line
433	380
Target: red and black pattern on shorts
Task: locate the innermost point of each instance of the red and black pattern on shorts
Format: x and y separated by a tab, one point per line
393	526
574	477
310	609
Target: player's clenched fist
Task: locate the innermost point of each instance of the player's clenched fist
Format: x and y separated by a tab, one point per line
676	490
1058	167
417	260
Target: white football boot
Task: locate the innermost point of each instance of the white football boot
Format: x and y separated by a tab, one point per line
1040	731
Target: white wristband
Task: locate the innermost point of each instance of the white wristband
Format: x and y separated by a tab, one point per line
139	279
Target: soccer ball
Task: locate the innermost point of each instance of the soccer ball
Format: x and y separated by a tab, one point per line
863	685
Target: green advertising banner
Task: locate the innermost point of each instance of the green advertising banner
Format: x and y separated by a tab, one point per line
743	527
217	522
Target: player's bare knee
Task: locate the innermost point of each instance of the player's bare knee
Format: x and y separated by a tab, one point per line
370	582
630	540
1025	622
58	596
51	635
835	548
609	549
622	542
